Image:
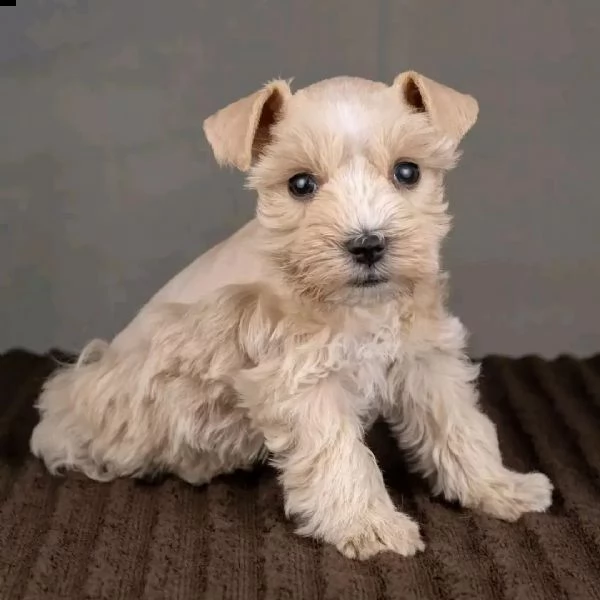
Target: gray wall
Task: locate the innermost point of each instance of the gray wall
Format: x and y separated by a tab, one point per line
107	187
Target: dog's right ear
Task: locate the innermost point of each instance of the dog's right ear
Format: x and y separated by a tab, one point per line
238	133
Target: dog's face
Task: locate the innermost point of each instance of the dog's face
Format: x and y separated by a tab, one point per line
349	175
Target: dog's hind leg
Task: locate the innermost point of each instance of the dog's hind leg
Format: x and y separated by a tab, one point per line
99	417
198	467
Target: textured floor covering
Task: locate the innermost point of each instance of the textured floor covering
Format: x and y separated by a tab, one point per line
72	538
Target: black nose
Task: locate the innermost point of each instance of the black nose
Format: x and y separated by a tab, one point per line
366	249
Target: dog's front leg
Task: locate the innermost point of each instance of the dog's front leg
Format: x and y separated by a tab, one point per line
435	416
331	480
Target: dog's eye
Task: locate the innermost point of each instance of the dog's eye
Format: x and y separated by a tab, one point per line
406	173
302	185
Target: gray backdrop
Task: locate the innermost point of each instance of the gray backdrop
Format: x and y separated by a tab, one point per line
107	187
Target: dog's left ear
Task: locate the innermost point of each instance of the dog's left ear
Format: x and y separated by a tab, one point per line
238	133
452	113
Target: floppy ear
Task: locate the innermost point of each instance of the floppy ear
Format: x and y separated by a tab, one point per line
238	132
451	112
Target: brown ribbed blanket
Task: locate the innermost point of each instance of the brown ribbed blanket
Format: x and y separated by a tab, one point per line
73	538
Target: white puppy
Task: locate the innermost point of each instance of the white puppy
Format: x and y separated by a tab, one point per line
291	337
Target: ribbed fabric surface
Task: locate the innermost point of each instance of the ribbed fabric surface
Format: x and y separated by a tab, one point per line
73	538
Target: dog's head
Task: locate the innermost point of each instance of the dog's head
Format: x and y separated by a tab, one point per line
349	175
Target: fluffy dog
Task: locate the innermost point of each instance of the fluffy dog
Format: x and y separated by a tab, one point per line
289	339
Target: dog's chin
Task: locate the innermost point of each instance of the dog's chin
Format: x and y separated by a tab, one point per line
369	281
367	290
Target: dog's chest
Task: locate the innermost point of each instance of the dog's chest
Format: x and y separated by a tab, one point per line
365	357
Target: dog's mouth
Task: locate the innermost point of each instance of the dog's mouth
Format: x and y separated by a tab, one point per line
369	281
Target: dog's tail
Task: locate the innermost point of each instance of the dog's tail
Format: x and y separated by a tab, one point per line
92	352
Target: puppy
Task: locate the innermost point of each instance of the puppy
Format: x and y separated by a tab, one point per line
289	339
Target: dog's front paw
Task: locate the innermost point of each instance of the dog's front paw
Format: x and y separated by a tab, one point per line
517	493
398	533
